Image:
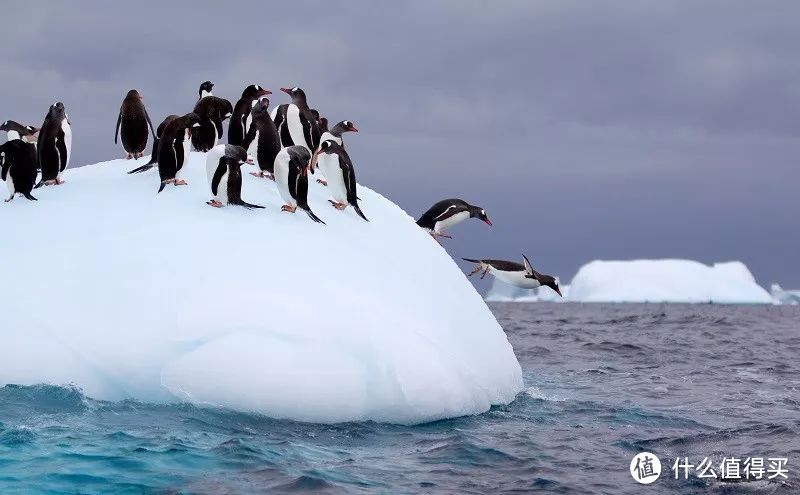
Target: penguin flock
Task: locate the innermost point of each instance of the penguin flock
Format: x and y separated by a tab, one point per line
286	144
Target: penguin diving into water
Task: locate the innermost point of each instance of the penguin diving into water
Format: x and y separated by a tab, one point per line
133	125
335	164
54	145
447	213
518	275
291	177
18	168
223	166
174	147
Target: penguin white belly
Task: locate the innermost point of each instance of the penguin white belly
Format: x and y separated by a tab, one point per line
295	126
273	113
282	176
448	222
187	148
10	183
517	279
329	166
67	139
222	189
216	136
252	150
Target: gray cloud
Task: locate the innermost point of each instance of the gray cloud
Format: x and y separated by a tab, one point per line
586	129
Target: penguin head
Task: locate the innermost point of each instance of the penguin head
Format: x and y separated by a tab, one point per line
133	94
329	146
236	153
296	93
57	110
480	214
548	281
260	108
207	86
254	91
348	126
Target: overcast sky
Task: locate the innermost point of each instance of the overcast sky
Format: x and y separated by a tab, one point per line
612	130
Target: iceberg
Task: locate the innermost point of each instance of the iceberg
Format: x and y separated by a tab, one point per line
781	296
503	292
158	297
666	280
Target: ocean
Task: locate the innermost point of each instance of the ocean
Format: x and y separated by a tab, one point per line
603	384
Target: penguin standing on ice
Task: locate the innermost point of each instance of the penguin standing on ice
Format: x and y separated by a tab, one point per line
518	275
18	168
335	135
154	154
174	147
54	145
133	125
205	90
296	123
291	176
223	165
212	111
239	125
263	133
15	130
447	213
335	163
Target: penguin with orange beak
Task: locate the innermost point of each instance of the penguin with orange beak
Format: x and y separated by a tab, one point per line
447	213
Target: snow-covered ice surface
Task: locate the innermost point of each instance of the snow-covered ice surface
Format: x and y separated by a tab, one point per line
503	292
782	296
130	294
666	280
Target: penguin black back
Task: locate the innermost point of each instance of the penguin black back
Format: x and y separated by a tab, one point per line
18	167
269	143
237	129
133	125
212	111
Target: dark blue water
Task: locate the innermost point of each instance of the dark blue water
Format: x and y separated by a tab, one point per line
603	383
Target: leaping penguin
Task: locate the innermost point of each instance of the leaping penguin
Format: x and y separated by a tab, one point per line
447	213
54	145
133	125
335	163
238	127
223	166
18	168
15	130
510	272
291	176
296	122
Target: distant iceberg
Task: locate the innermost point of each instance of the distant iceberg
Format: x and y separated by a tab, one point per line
666	281
780	296
503	292
131	294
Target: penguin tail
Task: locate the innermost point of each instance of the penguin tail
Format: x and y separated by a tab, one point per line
141	169
161	187
360	213
471	260
312	216
29	197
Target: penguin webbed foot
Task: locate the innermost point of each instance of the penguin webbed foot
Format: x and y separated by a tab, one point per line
180	182
215	203
289	208
9	199
337	205
128	156
323	182
486	271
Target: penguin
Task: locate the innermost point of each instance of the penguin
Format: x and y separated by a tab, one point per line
205	90
18	168
173	149
54	145
212	111
335	163
154	154
263	133
516	274
291	176
296	122
133	124
335	135
15	130
223	165
447	213
238	126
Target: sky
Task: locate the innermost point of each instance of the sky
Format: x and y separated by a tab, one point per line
587	130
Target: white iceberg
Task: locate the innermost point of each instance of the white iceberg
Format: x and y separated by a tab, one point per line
132	294
666	280
781	296
503	292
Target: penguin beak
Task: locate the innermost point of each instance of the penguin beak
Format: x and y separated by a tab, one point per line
488	222
558	291
353	128
287	91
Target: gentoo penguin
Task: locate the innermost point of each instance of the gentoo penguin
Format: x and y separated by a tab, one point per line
18	168
54	145
267	143
447	213
154	154
334	135
291	176
335	163
212	111
133	125
238	126
295	121
173	149
223	165
513	273
205	90
15	130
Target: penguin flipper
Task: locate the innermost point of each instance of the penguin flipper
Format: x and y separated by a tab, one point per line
29	197
161	187
141	169
312	216
116	129
360	213
39	184
245	204
471	260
